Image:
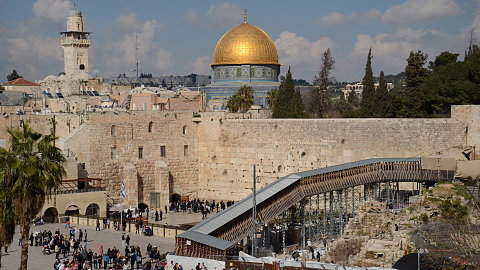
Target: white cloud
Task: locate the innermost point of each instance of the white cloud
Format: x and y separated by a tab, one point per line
200	65
128	22
34	56
55	10
192	17
119	55
372	14
417	11
331	19
390	51
300	53
225	14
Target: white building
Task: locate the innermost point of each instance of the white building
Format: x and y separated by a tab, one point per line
358	88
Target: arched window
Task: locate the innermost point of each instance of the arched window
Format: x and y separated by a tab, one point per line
184	130
82	67
112	130
150	127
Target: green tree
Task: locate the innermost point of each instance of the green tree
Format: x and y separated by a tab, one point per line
382	98
353	99
8	163
242	100
233	103
36	174
13	76
367	104
320	96
271	96
442	60
415	75
288	103
164	84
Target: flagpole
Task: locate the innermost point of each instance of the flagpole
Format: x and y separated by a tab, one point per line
121	213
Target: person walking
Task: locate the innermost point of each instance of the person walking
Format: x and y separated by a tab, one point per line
127	240
123	240
105	261
98	225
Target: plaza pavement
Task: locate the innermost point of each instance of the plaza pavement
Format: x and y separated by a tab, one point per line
108	238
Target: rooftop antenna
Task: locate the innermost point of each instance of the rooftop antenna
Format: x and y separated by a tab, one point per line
245	17
137	47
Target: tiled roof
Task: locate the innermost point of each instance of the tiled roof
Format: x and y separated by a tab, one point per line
21	81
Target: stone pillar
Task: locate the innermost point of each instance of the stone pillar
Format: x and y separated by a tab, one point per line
130	179
162	185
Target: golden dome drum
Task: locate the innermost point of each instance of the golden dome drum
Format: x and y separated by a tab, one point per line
245	44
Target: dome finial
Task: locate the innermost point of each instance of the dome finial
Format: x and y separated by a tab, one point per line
245	17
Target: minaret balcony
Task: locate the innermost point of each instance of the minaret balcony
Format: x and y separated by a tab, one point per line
67	42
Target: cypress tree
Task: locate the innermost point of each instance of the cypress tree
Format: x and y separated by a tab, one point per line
288	103
368	94
382	98
415	75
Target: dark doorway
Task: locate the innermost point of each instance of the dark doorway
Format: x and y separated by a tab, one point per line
175	198
142	206
72	210
50	215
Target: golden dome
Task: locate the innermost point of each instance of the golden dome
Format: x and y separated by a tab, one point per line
245	44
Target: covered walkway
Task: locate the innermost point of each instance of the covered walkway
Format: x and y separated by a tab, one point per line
235	223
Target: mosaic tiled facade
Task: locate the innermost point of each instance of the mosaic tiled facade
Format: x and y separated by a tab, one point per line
245	73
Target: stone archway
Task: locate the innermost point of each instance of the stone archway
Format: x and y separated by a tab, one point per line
50	215
175	198
142	206
72	210
92	210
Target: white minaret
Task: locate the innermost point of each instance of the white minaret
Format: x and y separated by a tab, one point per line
75	43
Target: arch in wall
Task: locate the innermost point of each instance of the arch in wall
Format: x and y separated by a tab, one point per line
72	210
184	131
82	67
50	215
112	130
175	198
92	210
142	206
150	126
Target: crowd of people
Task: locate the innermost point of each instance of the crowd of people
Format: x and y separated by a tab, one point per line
71	252
196	206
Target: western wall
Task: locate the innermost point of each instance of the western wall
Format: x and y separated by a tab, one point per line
211	156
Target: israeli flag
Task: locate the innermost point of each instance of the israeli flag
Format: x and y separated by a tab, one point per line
123	189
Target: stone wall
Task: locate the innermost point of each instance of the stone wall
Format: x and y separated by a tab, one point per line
173	173
222	148
229	148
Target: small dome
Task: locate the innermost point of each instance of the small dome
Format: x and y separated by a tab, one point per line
245	44
74	12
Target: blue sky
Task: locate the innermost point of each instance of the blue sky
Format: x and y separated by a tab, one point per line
179	37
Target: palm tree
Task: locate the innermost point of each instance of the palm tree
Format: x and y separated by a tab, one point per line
38	170
271	96
8	163
246	98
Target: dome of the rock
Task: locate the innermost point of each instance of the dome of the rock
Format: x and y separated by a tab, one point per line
245	44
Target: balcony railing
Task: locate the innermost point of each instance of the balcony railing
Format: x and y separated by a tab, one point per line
75	42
